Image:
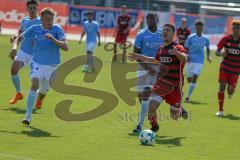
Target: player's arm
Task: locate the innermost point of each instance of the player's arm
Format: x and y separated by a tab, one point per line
129	26
15	46
180	54
20	31
116	29
208	55
82	35
60	43
142	58
220	46
99	39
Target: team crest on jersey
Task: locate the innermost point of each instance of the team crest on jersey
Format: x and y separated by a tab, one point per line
170	51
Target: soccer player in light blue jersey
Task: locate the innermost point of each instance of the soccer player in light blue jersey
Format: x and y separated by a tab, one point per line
25	53
195	44
49	38
147	43
91	28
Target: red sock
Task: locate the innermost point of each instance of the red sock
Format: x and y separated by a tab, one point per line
153	120
220	100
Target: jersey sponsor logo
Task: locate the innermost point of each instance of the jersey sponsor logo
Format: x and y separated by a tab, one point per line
165	59
233	51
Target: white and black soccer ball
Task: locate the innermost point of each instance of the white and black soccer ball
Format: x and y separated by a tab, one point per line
147	137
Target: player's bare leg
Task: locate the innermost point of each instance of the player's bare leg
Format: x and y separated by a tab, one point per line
16	66
152	115
221	96
114	58
230	91
192	85
175	112
124	52
40	97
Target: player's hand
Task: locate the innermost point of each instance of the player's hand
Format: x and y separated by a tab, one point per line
224	54
49	36
175	51
12	54
12	39
209	59
133	56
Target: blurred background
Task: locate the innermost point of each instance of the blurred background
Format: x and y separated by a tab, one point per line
70	14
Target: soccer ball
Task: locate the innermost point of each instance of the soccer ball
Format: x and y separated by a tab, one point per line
147	137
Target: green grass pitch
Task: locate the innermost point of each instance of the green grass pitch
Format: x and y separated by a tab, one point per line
108	137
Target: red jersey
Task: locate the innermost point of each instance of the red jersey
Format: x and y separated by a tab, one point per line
175	72
230	63
123	22
182	35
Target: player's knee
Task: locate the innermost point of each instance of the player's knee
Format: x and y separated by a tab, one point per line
222	87
146	93
230	90
35	84
89	52
194	78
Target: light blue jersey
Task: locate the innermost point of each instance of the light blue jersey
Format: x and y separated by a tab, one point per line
46	52
149	42
195	46
91	29
27	44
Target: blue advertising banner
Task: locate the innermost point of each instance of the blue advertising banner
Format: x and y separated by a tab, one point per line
105	17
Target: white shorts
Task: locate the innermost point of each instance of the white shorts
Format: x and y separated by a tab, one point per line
23	57
91	46
42	72
193	68
144	79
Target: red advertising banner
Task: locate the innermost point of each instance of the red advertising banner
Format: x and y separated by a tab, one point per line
12	12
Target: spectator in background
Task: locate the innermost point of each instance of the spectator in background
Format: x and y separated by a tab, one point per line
183	32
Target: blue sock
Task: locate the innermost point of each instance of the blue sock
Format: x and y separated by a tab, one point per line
143	112
190	89
32	96
91	60
16	83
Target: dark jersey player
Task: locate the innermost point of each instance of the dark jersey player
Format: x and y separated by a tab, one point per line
230	66
183	32
122	31
174	57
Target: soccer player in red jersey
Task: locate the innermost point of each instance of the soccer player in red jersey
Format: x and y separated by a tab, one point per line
174	57
230	66
122	31
183	32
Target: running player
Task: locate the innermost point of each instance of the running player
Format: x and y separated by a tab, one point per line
195	45
122	32
183	32
25	53
147	42
49	39
91	28
173	56
230	66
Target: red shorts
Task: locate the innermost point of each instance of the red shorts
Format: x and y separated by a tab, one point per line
230	79
121	38
173	98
